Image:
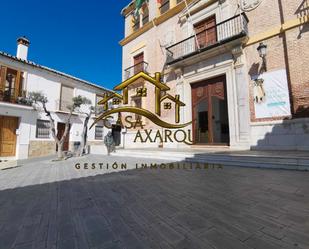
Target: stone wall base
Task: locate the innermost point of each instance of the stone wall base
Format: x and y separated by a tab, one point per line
287	135
41	148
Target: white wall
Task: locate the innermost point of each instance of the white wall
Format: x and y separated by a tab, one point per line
50	85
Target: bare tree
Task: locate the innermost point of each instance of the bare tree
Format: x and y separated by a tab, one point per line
84	135
77	102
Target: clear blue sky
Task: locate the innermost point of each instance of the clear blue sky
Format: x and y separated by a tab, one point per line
76	37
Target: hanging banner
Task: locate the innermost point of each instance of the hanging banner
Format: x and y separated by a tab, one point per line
273	95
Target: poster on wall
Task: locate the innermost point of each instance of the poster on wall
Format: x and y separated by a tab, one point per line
272	89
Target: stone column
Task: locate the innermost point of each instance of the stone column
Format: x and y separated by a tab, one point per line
243	104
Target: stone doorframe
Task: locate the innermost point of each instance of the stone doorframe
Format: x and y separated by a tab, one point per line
237	96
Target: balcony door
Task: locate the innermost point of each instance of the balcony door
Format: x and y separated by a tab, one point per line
138	63
206	33
10	84
209	112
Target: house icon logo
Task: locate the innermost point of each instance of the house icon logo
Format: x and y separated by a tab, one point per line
160	95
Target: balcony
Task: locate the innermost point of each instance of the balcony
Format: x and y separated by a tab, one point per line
224	32
8	96
135	69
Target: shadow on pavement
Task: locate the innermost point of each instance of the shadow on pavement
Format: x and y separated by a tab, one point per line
160	208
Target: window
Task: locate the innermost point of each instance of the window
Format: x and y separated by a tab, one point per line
66	99
138	63
99	132
179	1
136	22
10	84
165	6
206	33
145	16
98	108
42	128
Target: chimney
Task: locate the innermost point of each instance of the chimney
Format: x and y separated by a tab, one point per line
22	48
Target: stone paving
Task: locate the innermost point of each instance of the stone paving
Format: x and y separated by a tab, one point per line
46	204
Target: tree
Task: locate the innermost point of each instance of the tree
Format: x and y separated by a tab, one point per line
77	102
84	135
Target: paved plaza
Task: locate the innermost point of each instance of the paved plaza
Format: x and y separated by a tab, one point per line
53	205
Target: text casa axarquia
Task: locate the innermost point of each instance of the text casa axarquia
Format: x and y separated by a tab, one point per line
170	132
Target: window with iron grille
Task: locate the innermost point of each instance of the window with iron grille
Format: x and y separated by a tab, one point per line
99	132
42	128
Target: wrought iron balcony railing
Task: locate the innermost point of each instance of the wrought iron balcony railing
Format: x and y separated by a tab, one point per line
9	96
221	33
135	69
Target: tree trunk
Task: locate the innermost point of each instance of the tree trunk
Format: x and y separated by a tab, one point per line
84	135
60	150
53	132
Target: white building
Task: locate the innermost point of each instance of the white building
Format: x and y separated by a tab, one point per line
24	131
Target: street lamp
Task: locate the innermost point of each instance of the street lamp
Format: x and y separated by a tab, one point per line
262	49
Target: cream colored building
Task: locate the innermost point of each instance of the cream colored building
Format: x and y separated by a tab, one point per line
207	52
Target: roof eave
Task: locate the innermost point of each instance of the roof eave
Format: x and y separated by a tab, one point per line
30	63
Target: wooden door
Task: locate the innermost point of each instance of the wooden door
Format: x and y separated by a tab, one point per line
60	129
138	65
209	112
206	32
8	126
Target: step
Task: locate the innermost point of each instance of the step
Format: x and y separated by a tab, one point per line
233	159
261	162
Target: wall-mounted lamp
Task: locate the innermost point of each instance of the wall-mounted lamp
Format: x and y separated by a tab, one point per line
262	49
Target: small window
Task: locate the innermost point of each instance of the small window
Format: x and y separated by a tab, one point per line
99	132
136	22
165	6
98	108
42	128
145	16
66	99
138	63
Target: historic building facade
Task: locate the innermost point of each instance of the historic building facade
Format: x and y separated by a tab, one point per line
239	67
25	131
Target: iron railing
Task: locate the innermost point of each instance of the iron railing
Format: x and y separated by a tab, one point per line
135	69
8	96
230	29
22	97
